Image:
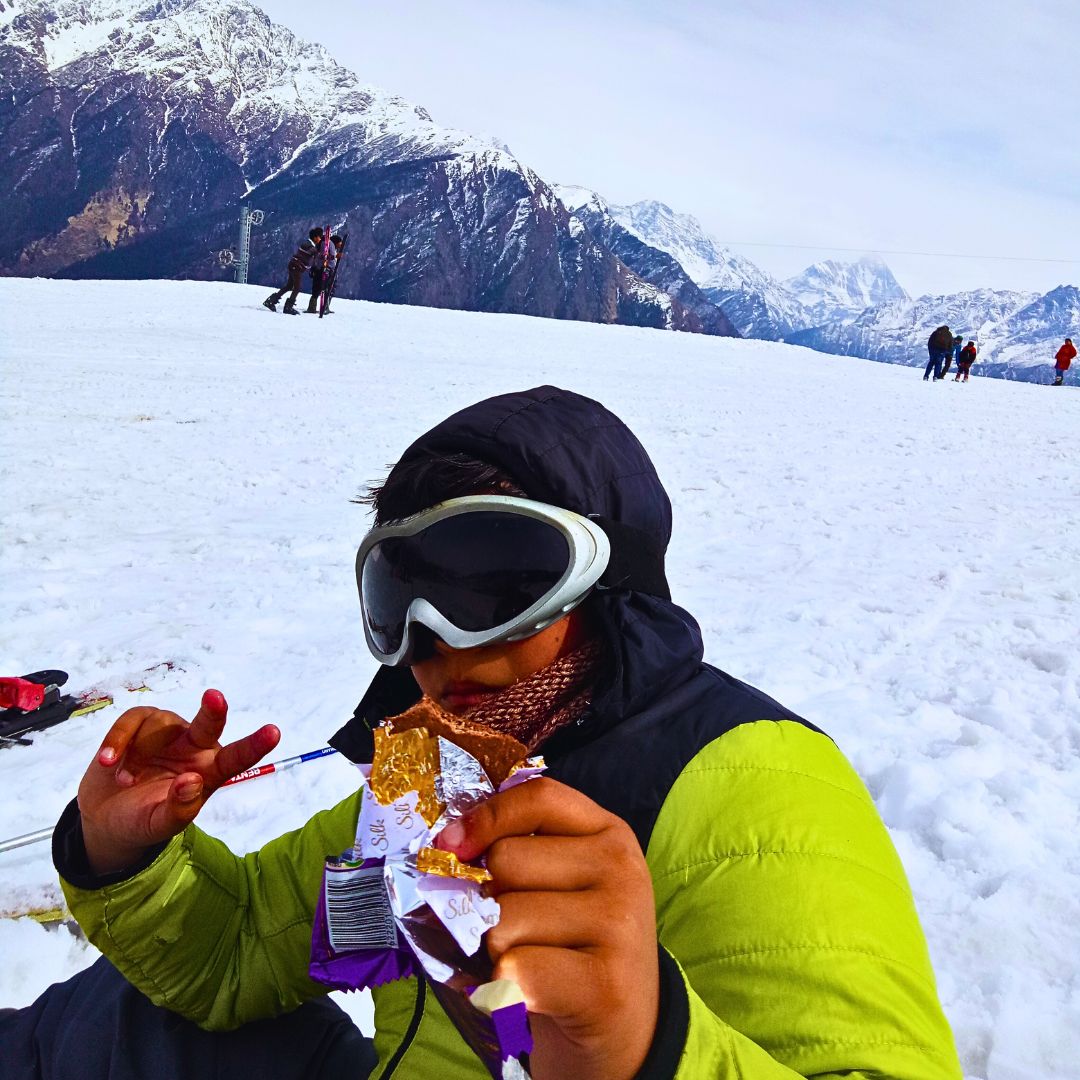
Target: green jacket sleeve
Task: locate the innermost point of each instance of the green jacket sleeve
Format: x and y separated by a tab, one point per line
783	900
218	938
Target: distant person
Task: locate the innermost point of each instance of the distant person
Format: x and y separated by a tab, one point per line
964	361
1062	359
940	346
322	273
956	347
299	264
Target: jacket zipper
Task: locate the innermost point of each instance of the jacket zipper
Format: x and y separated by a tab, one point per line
410	1033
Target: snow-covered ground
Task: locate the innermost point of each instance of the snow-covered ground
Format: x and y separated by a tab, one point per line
898	561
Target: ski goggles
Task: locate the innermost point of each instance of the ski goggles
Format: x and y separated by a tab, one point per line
475	571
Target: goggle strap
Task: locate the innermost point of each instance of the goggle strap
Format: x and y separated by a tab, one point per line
636	562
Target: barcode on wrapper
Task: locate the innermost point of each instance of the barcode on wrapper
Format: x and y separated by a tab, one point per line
358	914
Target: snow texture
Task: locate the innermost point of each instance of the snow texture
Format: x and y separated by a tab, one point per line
896	560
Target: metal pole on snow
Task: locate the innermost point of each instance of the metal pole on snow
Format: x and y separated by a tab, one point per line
251	774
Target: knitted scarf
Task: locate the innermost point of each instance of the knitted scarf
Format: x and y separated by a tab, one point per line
534	708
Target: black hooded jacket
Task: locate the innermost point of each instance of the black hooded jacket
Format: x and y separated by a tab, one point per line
660	703
790	945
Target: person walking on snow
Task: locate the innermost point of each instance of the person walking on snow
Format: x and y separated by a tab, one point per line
1062	359
939	346
299	264
964	361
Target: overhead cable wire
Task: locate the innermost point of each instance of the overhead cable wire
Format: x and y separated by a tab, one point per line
887	251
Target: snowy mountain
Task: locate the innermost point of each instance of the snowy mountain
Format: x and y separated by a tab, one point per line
832	290
132	129
896	332
753	301
680	235
651	263
1028	339
758	305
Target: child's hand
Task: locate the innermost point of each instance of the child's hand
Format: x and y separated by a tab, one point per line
578	929
153	774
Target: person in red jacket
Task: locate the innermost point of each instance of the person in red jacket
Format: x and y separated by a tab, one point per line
1062	359
964	361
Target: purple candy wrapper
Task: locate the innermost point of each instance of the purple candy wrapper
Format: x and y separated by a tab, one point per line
512	1030
380	918
358	969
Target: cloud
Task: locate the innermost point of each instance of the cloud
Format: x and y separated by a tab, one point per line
918	126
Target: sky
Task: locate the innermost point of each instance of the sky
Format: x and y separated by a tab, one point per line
790	131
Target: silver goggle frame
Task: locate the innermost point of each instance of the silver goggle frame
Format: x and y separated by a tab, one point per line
589	553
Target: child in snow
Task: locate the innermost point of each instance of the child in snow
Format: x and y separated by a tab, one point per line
964	361
700	886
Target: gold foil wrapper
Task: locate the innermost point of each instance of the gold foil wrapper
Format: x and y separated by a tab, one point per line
447	864
403	762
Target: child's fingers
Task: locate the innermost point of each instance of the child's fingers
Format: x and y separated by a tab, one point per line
540	806
555	982
119	736
206	728
563	920
521	863
244	753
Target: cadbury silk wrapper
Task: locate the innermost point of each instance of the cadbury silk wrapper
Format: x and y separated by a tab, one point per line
393	905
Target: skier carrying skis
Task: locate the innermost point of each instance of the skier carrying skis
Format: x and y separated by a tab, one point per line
1062	359
700	886
299	264
322	274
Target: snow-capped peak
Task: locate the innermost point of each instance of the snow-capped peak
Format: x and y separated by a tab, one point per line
680	235
228	52
830	288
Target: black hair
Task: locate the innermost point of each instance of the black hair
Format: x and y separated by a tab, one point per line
314	232
335	239
431	478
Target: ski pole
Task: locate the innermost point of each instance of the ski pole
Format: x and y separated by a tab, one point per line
249	774
26	838
279	766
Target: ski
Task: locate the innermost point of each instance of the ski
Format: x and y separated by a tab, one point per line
328	288
54	707
325	256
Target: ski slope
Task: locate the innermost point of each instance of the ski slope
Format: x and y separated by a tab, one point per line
898	561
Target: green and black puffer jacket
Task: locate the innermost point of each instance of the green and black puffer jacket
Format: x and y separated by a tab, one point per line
789	939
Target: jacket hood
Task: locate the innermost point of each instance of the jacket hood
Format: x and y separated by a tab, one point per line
573	452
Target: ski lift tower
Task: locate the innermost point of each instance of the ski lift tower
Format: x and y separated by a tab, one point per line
239	260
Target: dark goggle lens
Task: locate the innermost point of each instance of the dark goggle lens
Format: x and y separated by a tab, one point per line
479	570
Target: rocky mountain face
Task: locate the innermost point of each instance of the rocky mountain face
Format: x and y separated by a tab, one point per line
831	290
130	131
997	321
1028	339
755	303
690	305
680	235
